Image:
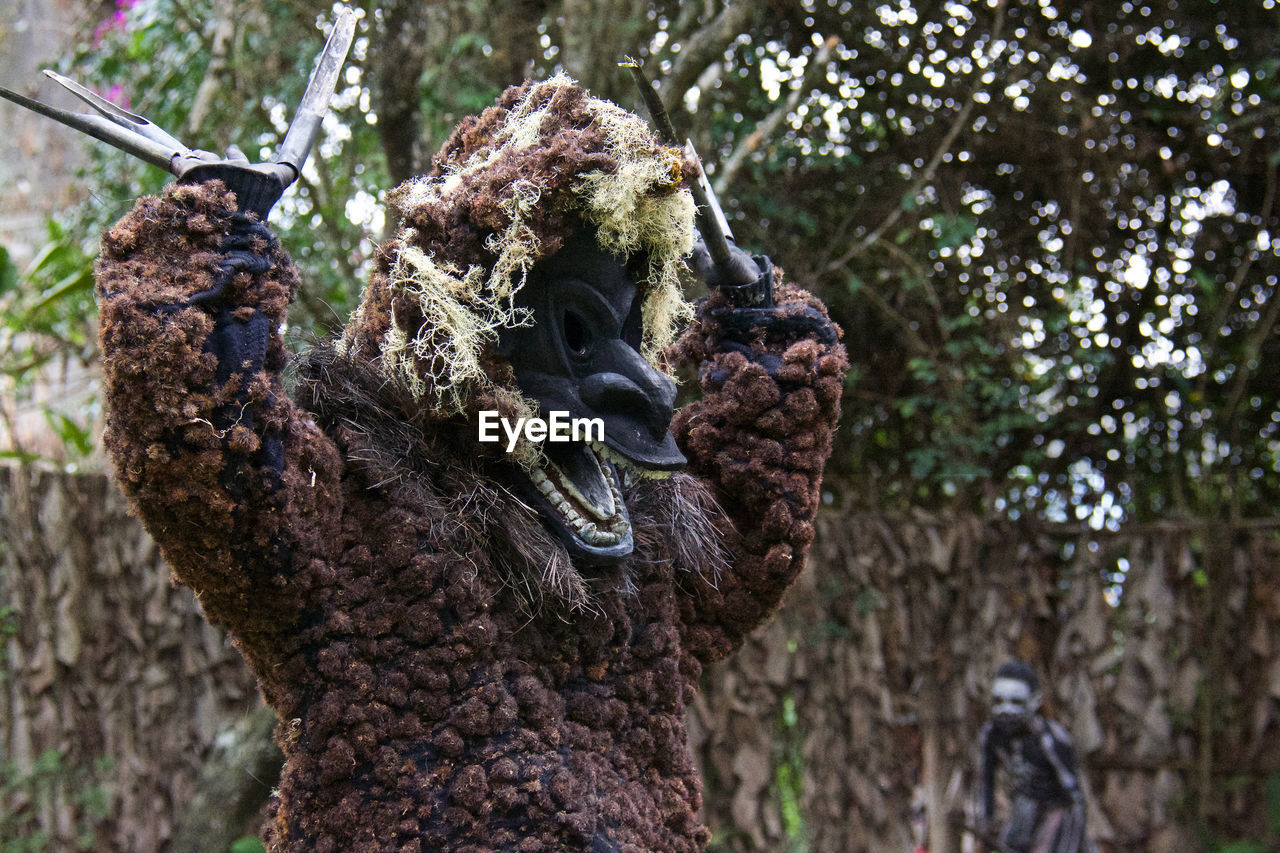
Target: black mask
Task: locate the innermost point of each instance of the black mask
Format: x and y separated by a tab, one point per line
582	356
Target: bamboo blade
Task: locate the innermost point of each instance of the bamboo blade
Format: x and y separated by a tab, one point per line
301	135
713	234
102	129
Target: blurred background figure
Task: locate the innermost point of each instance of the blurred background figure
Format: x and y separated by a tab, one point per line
1046	813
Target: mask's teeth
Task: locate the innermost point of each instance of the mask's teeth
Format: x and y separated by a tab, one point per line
605	528
599	531
544	484
613	490
593	535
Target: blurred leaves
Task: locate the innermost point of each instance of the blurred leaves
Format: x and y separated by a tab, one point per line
50	783
46	309
1056	234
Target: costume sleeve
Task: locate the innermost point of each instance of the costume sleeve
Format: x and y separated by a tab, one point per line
760	435
227	475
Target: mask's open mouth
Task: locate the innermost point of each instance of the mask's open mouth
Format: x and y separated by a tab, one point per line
586	495
580	490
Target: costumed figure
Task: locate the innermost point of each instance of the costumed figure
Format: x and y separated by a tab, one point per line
1047	802
474	645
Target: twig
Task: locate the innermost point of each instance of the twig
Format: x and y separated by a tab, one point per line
914	341
315	306
930	292
1237	281
702	46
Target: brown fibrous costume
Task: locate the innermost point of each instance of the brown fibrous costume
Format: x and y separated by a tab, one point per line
445	676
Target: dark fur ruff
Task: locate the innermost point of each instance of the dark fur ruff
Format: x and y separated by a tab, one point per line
482	498
445	678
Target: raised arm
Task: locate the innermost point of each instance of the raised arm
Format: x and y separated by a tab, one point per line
771	379
1058	747
225	472
987	762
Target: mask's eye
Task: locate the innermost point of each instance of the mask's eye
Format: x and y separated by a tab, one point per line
577	334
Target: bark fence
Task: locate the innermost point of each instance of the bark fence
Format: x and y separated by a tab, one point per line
845	725
854	714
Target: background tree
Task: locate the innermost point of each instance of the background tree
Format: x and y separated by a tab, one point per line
1049	230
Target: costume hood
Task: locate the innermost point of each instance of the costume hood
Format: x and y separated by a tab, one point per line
505	191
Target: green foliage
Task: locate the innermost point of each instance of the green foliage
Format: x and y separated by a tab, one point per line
455	87
1052	261
1271	801
868	600
1272	796
248	845
50	782
160	63
71	434
8	272
788	783
46	320
45	309
157	58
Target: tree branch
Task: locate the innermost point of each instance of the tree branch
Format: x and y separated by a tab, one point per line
223	29
915	343
931	168
765	129
701	48
1233	288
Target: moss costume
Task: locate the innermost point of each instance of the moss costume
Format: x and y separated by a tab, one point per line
445	676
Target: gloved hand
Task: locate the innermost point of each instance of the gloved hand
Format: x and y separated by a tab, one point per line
748	282
258	186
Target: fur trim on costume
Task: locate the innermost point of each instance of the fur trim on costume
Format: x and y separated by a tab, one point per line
672	518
